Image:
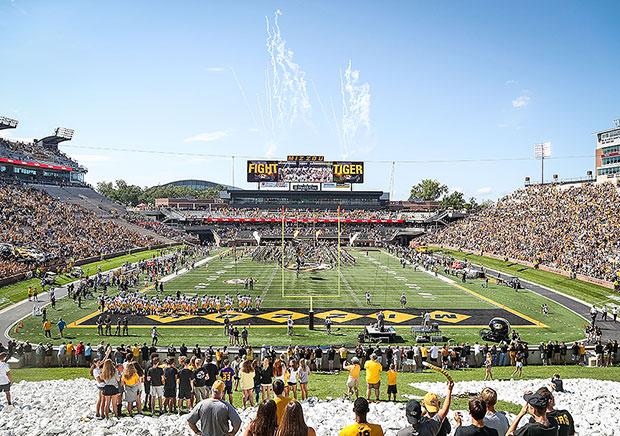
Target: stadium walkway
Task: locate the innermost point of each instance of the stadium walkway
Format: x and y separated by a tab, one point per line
610	329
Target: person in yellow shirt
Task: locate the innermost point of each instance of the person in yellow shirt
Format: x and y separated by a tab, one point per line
47	328
280	399
353	381
391	375
373	376
361	426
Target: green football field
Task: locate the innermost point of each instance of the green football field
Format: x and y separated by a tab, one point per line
461	308
375	271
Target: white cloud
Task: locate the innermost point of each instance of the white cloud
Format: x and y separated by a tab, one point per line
511	82
254	129
216	69
209	136
484	190
521	101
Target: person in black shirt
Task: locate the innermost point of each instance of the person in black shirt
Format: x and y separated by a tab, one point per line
563	419
185	376
199	382
212	371
170	386
183	350
155	376
197	351
477	410
331	354
536	405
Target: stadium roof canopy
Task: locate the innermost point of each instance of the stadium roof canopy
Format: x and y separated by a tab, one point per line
199	184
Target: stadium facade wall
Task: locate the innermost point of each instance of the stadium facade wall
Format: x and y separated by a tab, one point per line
584	278
28	275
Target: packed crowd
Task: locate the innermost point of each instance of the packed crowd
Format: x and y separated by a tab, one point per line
575	229
304	214
31	219
303	253
29	151
156	226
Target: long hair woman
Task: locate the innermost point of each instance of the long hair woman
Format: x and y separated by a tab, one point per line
131	386
265	423
257	377
266	376
293	422
302	377
110	378
293	369
488	367
95	372
247	382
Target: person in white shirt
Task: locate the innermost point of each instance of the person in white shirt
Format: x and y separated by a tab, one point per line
5	378
434	351
477	354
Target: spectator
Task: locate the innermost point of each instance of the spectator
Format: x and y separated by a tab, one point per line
493	418
5	377
280	400
361	426
216	416
293	423
563	419
477	411
536	405
421	425
373	376
265	422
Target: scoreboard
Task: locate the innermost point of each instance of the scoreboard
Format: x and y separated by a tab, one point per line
305	169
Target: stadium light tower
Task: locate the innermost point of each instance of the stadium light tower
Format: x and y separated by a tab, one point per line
8	123
61	134
541	151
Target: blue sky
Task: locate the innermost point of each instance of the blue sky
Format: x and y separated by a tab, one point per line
446	81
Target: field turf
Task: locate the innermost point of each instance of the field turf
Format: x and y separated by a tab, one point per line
375	271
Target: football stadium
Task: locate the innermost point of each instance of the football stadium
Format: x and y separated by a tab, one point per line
206	286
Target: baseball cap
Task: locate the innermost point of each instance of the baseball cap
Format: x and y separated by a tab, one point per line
413	411
431	402
373	356
537	400
355	360
218	385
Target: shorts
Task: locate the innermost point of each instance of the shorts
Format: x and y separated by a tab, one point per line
185	394
353	382
228	389
392	389
519	364
157	391
170	392
5	388
292	383
109	390
374	385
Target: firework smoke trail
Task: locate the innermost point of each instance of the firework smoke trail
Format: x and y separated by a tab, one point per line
355	109
286	80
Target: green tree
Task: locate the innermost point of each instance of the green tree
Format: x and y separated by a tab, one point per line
428	190
454	200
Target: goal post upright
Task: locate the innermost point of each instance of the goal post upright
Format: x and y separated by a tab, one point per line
339	251
282	265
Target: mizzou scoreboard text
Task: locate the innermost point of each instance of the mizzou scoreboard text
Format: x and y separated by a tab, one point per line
305	169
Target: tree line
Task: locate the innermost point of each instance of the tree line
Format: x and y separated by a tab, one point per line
433	190
132	195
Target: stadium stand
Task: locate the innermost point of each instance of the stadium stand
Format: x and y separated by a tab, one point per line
37	229
576	229
29	151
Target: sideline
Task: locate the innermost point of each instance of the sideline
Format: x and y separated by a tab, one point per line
61	293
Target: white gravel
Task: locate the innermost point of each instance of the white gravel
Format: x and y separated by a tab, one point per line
67	408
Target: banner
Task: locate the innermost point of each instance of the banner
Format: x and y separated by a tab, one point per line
337	186
262	171
348	172
300	220
273	186
306	187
